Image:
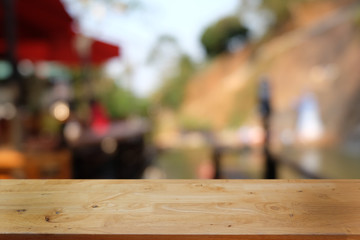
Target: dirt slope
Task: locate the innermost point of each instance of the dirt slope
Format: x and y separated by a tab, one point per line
320	54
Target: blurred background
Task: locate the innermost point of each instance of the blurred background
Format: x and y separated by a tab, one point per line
122	89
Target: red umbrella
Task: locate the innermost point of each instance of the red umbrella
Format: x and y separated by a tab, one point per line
44	32
62	50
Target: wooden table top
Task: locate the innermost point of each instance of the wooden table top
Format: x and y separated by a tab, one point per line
179	209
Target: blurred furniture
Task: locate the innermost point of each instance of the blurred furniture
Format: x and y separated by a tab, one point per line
55	164
117	153
180	209
128	161
45	164
12	164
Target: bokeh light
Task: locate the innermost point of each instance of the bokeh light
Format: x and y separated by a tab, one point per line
60	110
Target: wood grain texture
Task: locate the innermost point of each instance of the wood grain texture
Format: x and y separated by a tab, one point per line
179	209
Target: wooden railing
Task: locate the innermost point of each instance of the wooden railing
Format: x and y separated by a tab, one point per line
179	209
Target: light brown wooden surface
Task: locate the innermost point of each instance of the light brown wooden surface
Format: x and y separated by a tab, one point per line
179	209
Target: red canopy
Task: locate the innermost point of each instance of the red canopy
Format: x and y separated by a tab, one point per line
44	32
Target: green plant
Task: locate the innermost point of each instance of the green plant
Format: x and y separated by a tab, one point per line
356	18
121	103
216	37
193	124
173	91
244	104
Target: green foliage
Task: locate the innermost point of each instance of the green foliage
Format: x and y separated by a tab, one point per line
121	103
173	91
244	105
216	37
156	54
192	124
49	125
281	9
356	18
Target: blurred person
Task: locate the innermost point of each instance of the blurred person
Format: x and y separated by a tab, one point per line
99	120
309	125
264	96
206	170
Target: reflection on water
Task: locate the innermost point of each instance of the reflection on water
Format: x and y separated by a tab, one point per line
311	160
326	163
184	163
